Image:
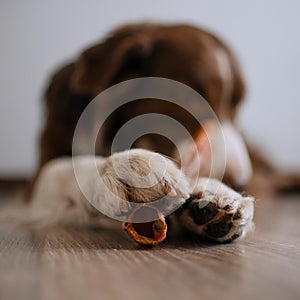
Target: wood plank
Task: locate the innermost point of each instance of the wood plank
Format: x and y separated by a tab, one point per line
79	263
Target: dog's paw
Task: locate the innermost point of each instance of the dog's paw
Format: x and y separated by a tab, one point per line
141	176
217	212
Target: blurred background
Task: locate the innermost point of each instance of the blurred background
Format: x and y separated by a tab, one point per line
38	36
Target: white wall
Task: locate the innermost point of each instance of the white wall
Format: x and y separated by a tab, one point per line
36	36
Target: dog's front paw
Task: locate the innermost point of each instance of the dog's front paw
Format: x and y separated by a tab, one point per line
137	177
217	212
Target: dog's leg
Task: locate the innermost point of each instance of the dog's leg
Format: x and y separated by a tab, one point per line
56	199
217	212
111	187
141	176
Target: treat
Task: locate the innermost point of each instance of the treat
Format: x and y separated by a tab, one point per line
148	233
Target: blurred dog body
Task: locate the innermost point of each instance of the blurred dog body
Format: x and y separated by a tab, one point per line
180	52
183	53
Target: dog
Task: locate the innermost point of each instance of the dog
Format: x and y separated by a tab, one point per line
185	54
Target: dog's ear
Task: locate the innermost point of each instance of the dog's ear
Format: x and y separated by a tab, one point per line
100	66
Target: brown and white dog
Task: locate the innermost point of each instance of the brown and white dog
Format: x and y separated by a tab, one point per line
180	52
183	53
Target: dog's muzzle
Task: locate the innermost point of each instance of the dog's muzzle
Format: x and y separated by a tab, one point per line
219	151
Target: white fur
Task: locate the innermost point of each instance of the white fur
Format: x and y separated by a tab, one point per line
58	198
238	163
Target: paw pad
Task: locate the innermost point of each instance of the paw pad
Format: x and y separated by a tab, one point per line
220	228
203	211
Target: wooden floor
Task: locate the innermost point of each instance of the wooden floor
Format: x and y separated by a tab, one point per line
106	264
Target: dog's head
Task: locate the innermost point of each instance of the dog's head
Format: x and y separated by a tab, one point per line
183	53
